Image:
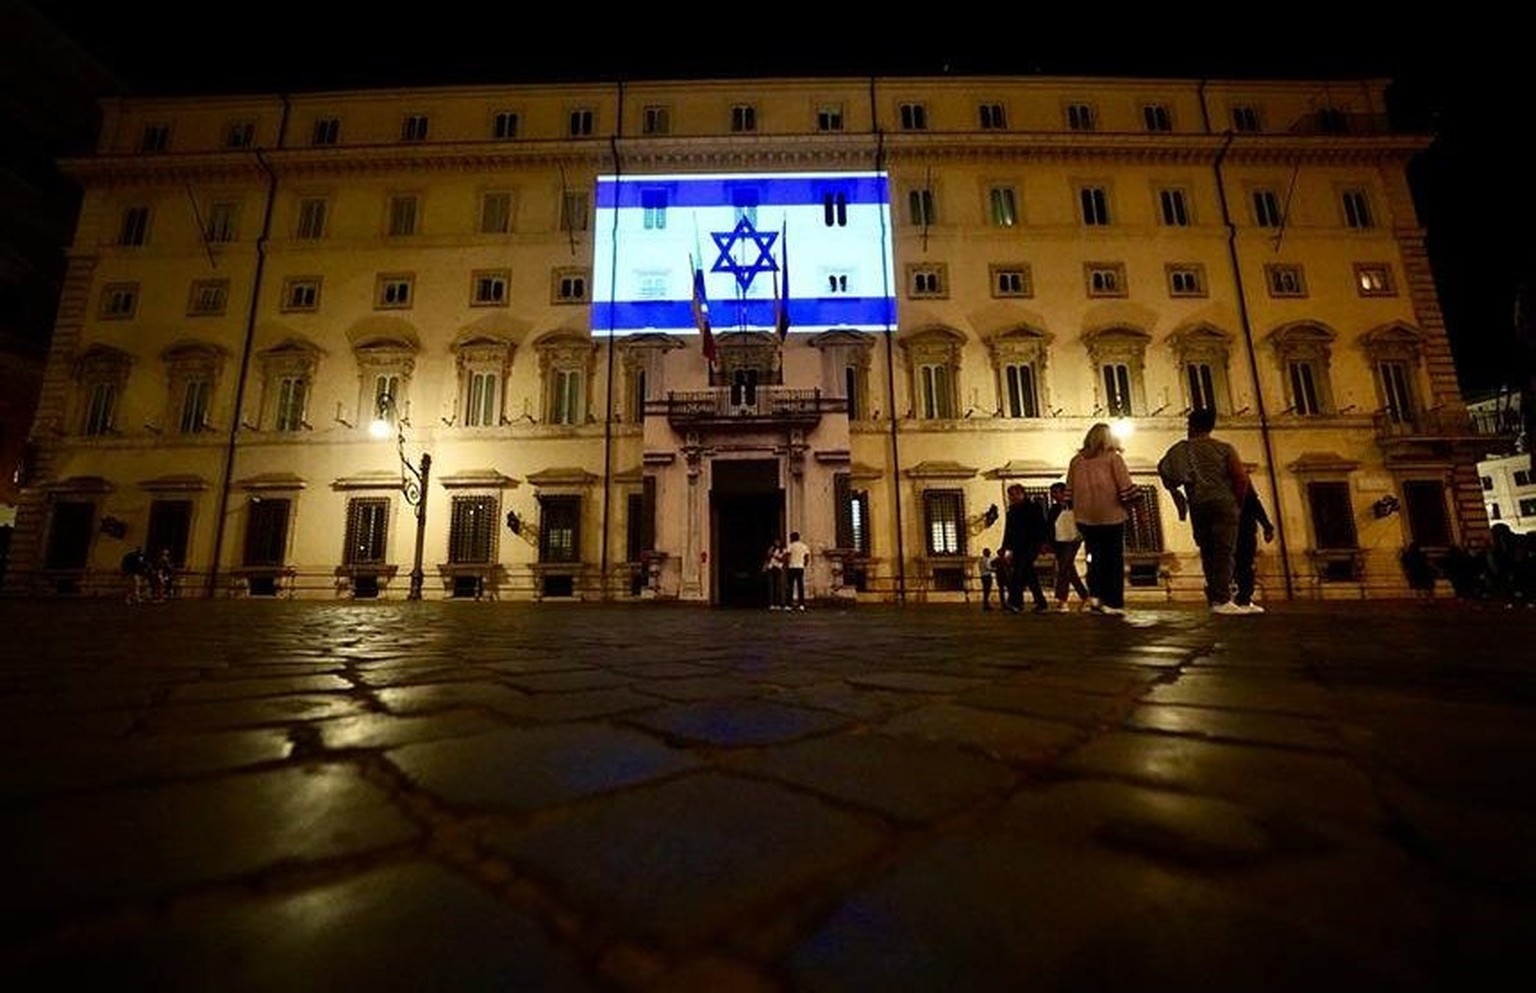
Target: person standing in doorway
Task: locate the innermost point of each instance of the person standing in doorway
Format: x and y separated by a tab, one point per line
1250	521
1209	482
1024	536
796	557
1099	486
773	568
1061	522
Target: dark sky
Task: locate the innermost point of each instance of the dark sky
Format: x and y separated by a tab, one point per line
1453	78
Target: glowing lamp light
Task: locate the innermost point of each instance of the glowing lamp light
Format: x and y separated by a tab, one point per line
1122	428
380	428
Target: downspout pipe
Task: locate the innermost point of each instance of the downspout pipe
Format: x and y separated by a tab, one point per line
890	359
221	519
1265	438
613	268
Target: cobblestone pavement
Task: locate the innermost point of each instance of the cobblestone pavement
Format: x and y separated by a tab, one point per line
251	795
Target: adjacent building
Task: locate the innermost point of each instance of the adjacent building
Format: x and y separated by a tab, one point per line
622	335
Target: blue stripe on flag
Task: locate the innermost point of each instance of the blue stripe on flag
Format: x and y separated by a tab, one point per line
727	315
724	191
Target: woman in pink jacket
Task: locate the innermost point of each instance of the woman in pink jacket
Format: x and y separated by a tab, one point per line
1099	486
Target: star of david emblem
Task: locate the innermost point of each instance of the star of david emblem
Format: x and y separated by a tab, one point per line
744	235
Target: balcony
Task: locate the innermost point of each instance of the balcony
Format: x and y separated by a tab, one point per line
1441	433
727	407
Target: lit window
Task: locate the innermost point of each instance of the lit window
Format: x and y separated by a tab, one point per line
1004	206
1374	279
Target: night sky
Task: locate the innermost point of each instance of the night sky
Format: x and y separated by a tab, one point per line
1475	197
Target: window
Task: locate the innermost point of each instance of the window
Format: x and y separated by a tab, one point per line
653	209
570	285
327	131
573	212
1105	279
413	127
301	293
560	529
496	212
1117	389
1424	506
504	125
1200	380
1143	527
119	301
1305	397
240	134
1522	477
914	117
1285	280
1487	482
1003	206
1186	279
1528	507
640	521
311	225
1020	398
565	399
1357	210
1333	519
1203	353
1155	117
853	392
927	281
1374	279
221	227
1245	118
402	215
852	515
1394	377
481	408
367	531
266	531
656	121
1174	207
1493	512
829	117
1266	209
134	229
393	292
935	392
944	522
1012	281
292	392
70	527
991	117
920	208
472	531
834	210
489	288
156	137
209	297
195	396
580	123
743	118
170	523
1080	117
100	408
1094	201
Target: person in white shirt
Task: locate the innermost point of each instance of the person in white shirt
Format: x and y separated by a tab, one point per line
796	556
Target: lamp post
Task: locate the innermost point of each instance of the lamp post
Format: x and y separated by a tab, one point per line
413	480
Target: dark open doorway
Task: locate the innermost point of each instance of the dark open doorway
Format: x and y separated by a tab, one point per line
747	508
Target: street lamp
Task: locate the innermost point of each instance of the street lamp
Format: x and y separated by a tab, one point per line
413	479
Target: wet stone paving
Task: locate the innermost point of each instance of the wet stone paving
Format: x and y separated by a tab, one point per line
258	795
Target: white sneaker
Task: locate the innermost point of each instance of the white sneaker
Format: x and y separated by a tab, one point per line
801	607
1061	607
1228	608
1251	608
1111	611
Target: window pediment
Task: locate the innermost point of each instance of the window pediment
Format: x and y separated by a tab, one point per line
1392	341
1020	345
103	362
938	345
293	357
1113	344
1201	342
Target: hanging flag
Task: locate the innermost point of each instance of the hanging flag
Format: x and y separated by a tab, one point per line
701	311
781	299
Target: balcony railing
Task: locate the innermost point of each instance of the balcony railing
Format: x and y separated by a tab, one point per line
1440	426
737	405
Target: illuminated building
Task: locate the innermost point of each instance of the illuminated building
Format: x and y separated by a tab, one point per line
251	275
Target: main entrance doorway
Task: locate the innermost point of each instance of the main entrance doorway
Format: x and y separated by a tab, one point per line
746	513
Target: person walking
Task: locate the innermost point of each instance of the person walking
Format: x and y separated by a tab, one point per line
773	568
1061	524
1099	486
985	568
1209	483
796	557
1024	537
1250	521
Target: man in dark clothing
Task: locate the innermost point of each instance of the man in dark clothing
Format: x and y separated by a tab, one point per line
1249	521
1024	538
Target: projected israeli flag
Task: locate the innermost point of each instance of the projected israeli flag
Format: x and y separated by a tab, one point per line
820	241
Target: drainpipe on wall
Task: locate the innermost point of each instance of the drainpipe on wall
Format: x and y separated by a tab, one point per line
245	354
613	269
1253	362
890	361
